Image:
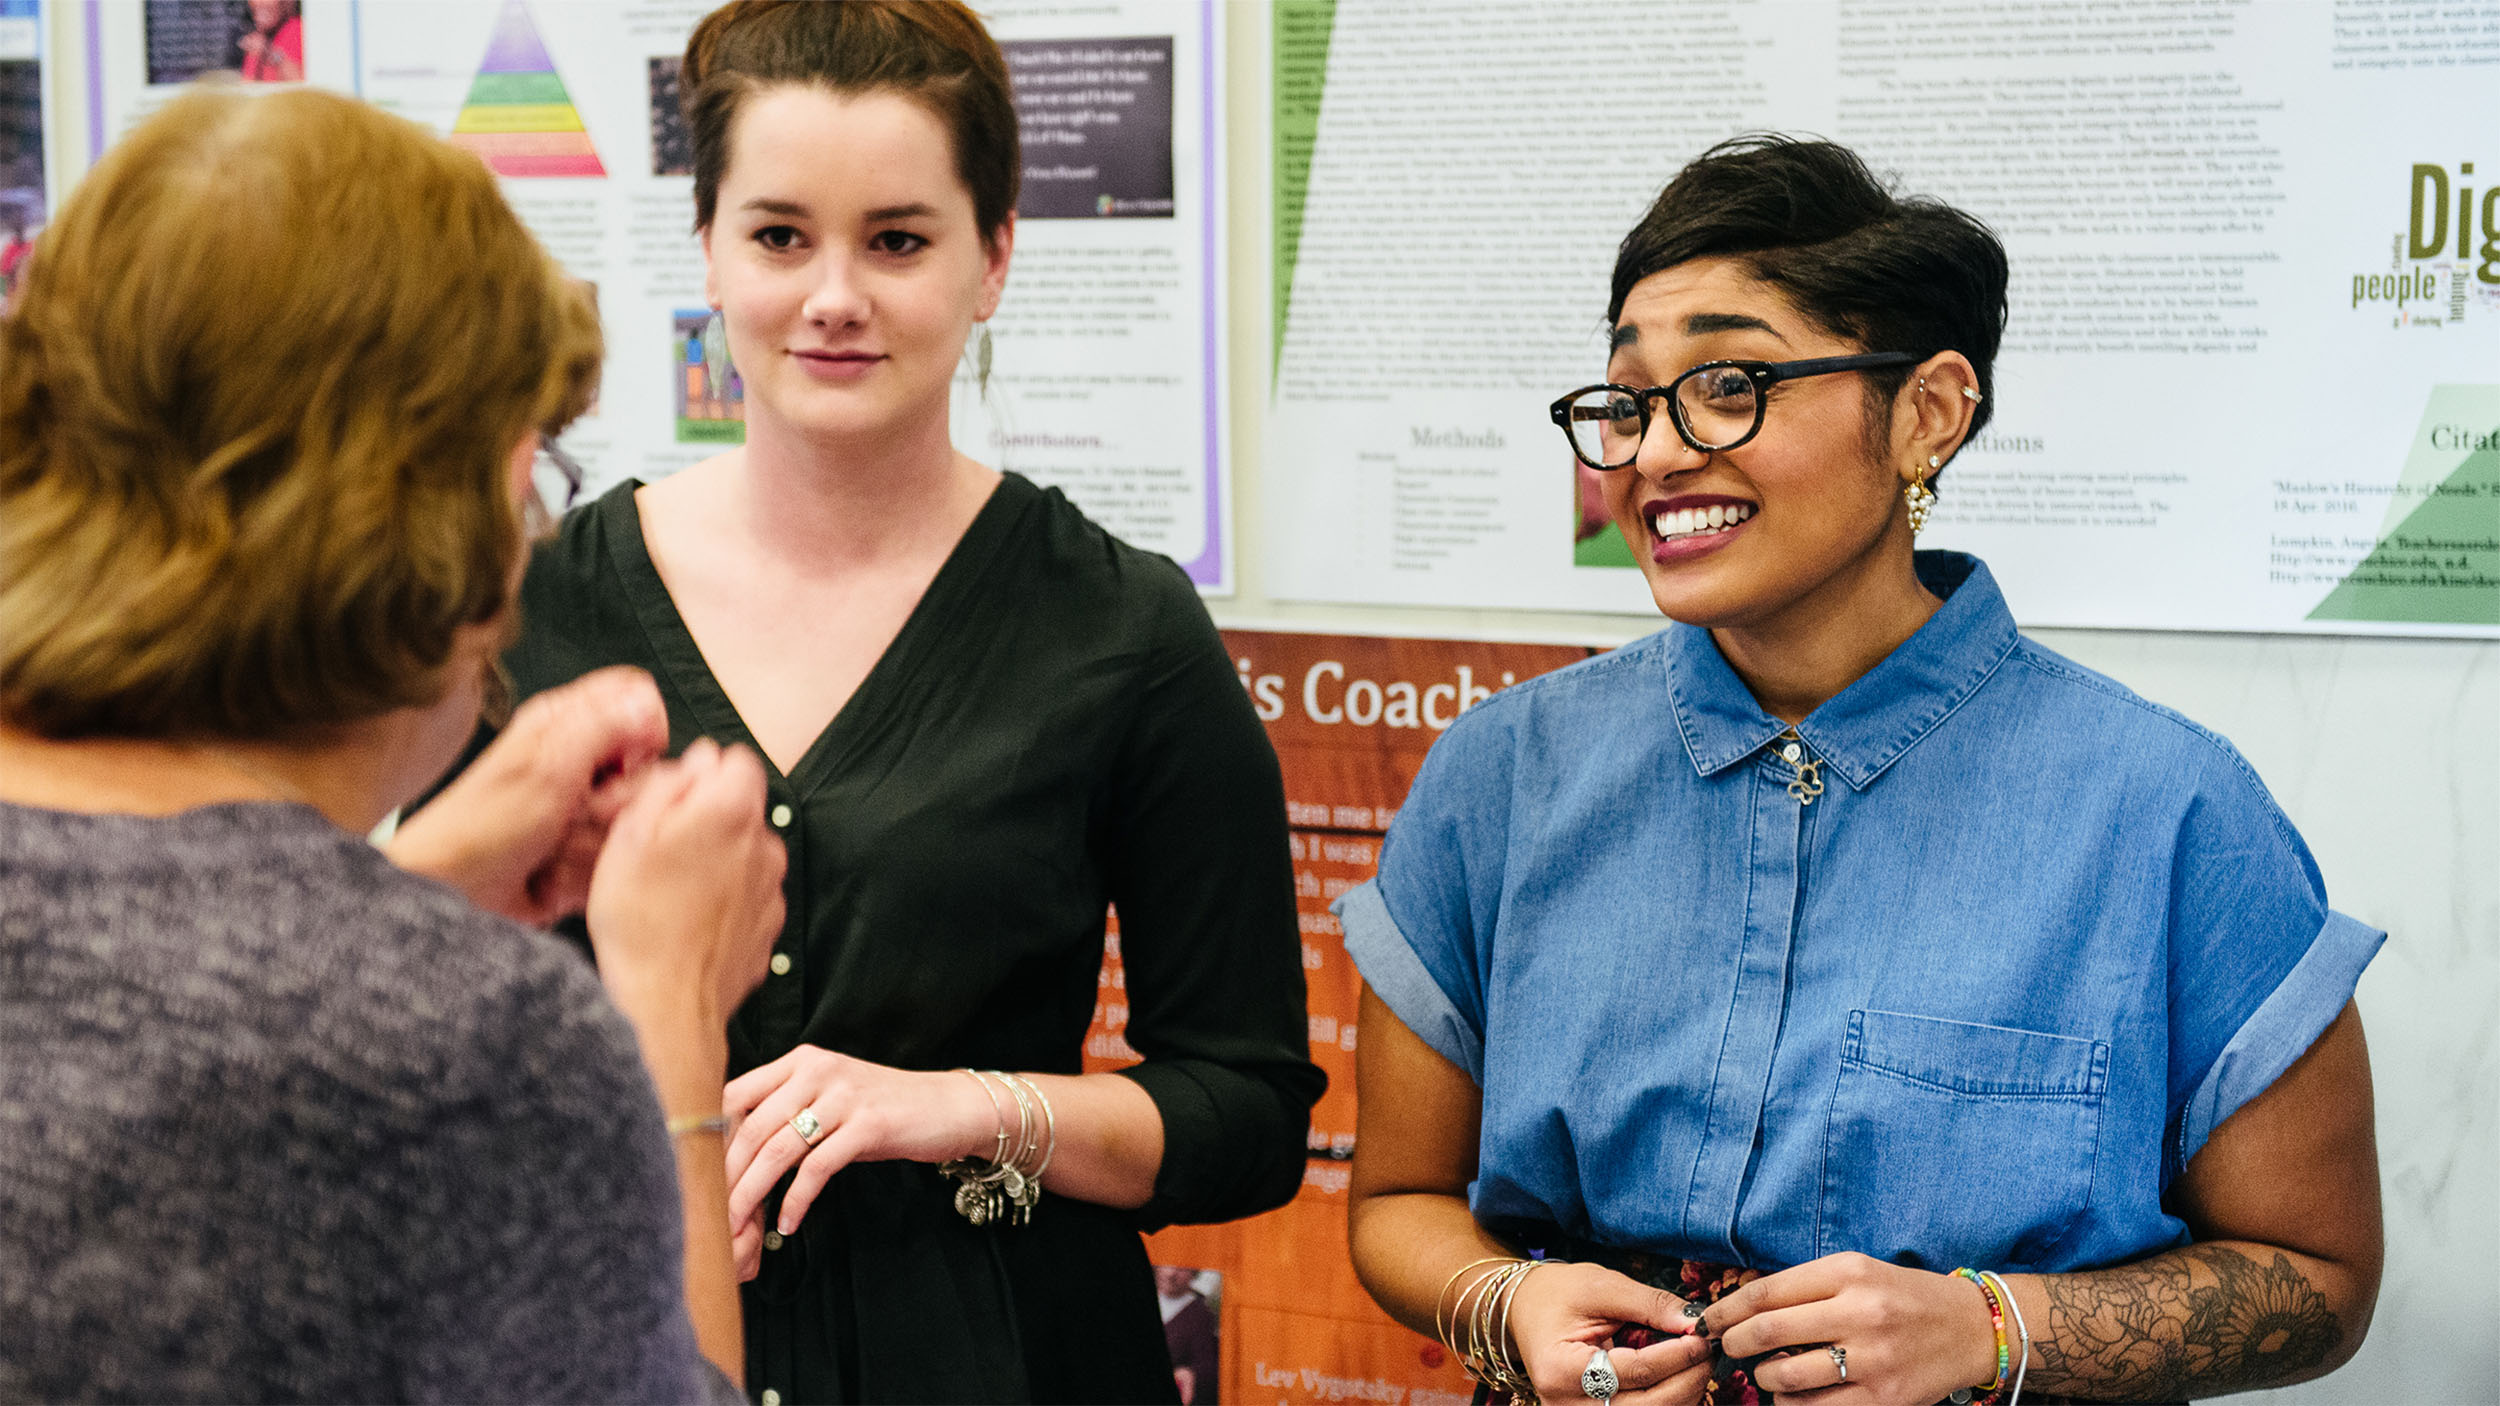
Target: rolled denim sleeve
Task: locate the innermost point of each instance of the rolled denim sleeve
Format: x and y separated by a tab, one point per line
2259	964
2281	1030
1389	964
1421	931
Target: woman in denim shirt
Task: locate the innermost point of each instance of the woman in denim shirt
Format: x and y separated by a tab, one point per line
1774	967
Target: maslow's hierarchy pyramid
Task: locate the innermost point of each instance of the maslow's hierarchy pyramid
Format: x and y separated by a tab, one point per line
518	116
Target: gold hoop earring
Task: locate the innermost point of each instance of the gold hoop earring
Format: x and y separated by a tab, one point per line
1921	498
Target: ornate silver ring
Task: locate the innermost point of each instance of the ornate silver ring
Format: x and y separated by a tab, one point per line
1840	1359
1597	1380
809	1130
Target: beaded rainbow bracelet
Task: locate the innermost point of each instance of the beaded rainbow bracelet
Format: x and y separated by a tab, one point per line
1996	1316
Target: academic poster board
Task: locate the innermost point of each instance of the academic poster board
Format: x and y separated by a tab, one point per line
2252	376
1104	369
1108	374
1351	718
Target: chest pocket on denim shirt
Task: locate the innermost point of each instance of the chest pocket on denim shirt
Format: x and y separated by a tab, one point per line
1950	1143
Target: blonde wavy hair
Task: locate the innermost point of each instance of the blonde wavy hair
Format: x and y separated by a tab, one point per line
258	401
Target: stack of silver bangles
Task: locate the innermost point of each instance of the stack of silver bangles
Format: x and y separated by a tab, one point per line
1004	1186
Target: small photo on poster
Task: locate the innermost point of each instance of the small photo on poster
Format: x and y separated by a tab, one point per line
1095	119
711	400
672	146
262	41
1192	1303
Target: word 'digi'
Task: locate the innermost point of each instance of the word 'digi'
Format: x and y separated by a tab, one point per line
1330	699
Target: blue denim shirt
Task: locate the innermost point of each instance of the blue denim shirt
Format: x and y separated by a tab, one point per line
1978	1002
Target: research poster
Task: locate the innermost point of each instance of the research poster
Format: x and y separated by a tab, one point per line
1351	719
1103	371
1108	373
2251	379
574	109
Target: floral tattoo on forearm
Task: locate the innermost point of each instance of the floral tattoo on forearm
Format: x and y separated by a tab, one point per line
2195	1322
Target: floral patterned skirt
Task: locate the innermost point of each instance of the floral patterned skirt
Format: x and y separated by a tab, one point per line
1695	1281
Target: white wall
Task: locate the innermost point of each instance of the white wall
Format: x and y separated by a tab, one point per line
2385	752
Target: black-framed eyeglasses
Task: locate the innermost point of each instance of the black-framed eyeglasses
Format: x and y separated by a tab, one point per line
1716	405
537	518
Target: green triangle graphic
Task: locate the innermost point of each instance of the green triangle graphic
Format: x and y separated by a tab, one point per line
2439	561
1301	32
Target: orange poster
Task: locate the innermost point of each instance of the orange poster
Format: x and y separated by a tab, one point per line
1352	718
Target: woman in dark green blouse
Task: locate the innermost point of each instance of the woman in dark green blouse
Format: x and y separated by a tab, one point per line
986	720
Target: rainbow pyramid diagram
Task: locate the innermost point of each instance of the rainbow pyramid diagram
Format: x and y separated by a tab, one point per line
518	116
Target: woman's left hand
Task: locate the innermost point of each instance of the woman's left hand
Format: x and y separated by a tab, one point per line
868	1113
520	831
1911	1337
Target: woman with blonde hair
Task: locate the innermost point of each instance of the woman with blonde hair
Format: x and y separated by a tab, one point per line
284	1120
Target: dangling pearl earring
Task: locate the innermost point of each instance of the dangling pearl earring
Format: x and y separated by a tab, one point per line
1920	497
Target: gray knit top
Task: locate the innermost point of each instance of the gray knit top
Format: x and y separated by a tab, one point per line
280	1122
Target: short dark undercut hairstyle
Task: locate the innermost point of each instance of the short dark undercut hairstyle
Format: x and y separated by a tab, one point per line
1807	217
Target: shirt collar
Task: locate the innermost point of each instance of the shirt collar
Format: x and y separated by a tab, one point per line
1862	729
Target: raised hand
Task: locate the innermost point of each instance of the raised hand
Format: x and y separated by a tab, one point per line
685	900
520	831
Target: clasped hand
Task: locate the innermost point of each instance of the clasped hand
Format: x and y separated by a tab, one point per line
520	829
571	809
1562	1313
1910	1337
865	1113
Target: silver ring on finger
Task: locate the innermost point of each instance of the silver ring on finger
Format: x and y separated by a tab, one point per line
1840	1360
1597	1380
804	1123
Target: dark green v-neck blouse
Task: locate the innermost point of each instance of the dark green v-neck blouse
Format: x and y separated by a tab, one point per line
1057	728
